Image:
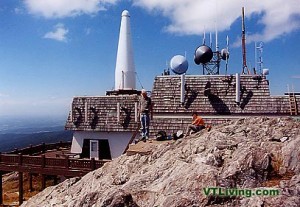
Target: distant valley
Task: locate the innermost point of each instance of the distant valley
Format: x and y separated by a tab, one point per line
19	133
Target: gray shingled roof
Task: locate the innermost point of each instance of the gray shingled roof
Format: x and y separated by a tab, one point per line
101	113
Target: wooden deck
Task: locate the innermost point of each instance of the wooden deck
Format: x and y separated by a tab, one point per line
48	165
52	159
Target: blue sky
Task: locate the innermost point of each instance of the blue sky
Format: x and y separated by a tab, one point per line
53	50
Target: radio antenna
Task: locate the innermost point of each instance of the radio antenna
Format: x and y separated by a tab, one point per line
245	67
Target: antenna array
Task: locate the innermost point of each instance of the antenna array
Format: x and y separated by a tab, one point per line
209	59
245	67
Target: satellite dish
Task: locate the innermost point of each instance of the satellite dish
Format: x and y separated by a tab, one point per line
265	71
224	54
203	54
179	64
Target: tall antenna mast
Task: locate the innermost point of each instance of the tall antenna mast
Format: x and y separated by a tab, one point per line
210	40
217	45
259	58
245	67
227	48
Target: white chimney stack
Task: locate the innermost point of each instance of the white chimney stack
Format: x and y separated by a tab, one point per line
125	70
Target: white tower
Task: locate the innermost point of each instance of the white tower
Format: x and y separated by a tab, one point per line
125	70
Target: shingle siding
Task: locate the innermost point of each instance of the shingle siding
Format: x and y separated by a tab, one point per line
100	113
212	95
219	98
206	94
172	125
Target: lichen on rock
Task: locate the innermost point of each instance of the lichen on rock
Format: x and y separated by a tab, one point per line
243	154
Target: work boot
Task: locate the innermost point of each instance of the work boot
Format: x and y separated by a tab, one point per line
143	139
208	128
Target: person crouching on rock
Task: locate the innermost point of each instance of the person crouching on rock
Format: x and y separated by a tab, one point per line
196	126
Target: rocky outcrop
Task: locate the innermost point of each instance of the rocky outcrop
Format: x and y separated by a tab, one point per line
249	154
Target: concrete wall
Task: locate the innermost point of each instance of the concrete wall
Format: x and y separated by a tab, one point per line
117	141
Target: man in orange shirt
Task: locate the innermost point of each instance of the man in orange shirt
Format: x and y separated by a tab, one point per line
197	124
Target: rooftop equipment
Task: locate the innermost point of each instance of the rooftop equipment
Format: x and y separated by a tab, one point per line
245	67
179	64
203	55
210	60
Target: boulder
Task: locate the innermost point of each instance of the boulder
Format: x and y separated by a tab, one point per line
247	154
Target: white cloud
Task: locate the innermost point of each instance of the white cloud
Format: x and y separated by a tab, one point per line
187	17
277	17
65	8
58	34
296	76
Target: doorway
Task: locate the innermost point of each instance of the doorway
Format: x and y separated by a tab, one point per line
96	148
104	149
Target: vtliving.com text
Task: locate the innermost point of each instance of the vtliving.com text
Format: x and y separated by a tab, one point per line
217	191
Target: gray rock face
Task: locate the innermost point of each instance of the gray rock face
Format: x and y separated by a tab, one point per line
254	154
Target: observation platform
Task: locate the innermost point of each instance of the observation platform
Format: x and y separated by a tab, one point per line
51	159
